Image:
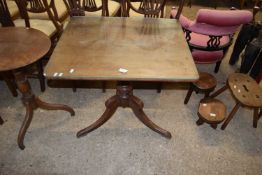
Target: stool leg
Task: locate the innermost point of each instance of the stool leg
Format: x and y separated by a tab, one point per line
214	126
230	116
199	122
219	91
1	120
189	93
260	113
255	117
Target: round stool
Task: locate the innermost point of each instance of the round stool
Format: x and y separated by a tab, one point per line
211	111
206	84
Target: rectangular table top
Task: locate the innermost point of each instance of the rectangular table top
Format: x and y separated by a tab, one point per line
95	48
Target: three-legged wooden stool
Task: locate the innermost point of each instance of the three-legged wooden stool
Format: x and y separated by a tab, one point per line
206	84
246	92
211	111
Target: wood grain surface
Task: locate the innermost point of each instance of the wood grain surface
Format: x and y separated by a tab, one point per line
94	48
21	46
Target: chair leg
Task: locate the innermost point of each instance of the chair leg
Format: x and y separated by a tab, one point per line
189	3
189	93
217	66
255	117
159	87
40	75
230	116
103	86
11	86
1	120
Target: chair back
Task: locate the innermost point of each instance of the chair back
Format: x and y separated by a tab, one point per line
78	7
223	18
5	17
149	8
38	6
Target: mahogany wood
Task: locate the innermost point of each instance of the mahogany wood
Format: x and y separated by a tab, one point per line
124	98
150	49
27	45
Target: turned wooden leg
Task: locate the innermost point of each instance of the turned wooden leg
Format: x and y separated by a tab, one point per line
1	120
230	116
200	122
189	93
255	117
31	103
124	98
219	91
111	106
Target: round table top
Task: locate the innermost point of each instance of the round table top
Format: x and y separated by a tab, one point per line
20	47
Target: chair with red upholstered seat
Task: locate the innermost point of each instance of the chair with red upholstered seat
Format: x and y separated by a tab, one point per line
211	33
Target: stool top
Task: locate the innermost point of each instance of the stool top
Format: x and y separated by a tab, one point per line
206	81
245	90
212	110
20	47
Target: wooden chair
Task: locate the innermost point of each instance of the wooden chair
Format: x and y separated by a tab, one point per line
206	84
147	8
211	34
92	7
51	27
246	92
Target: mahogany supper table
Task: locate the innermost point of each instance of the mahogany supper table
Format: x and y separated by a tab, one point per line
123	50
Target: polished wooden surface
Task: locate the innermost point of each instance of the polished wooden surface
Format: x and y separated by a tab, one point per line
245	90
20	47
96	47
212	110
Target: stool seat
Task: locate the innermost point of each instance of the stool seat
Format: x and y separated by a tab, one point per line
211	111
205	84
206	81
245	90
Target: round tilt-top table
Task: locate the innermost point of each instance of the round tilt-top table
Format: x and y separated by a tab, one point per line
20	47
